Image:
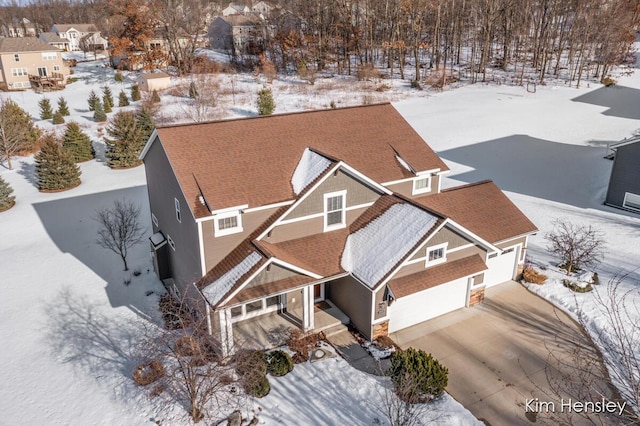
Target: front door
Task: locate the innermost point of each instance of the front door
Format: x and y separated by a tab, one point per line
318	292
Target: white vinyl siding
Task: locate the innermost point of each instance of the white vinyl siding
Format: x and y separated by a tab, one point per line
502	267
631	201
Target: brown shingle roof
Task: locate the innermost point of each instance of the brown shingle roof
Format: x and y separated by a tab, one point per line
83	28
436	275
483	209
25	44
251	161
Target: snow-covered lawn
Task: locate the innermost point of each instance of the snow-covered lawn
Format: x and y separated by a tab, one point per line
68	319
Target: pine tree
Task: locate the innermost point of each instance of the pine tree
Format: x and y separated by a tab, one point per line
93	100
155	98
145	123
77	143
193	91
58	118
125	141
55	168
266	104
123	101
135	93
107	105
63	108
98	114
18	132
45	109
6	199
107	97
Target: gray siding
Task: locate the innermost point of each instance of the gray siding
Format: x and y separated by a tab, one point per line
162	188
406	188
357	194
442	236
304	228
274	273
625	174
354	300
220	35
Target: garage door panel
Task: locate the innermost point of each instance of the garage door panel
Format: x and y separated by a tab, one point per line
502	267
427	304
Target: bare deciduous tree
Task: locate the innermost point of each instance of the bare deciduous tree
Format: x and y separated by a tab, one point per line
203	105
577	245
120	228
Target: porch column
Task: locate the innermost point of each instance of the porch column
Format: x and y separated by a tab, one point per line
226	332
307	308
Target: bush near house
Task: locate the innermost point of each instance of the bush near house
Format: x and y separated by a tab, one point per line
530	275
417	376
148	372
302	343
251	366
279	363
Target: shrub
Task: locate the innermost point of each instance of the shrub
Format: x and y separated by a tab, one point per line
573	286
266	104
98	114
301	343
417	376
77	143
93	100
193	91
55	168
63	108
118	77
46	113
608	81
58	118
367	72
155	98
107	97
250	362
530	275
6	199
135	93
123	101
148	372
279	363
187	346
415	84
260	388
108	106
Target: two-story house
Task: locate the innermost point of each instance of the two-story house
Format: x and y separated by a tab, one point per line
237	34
270	216
26	59
74	33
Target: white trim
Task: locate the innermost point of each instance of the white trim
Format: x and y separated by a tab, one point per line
154	219
624	202
203	268
172	243
426	189
269	206
294	268
453	250
147	146
176	204
217	232
317	215
237	290
343	223
431	171
439	260
229	209
322	293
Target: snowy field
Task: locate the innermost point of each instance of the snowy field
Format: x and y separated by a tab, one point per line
68	320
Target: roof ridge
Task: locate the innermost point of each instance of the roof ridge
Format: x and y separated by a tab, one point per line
467	185
258	117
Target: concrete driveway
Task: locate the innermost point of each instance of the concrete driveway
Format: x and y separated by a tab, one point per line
514	347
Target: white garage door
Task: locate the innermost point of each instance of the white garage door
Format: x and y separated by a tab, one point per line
427	304
502	267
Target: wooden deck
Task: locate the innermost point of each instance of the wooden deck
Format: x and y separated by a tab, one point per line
55	81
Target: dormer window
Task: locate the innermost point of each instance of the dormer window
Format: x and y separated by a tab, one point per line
421	185
436	254
334	210
228	223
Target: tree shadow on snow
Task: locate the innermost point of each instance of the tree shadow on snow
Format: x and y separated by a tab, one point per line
70	225
28	170
622	101
570	174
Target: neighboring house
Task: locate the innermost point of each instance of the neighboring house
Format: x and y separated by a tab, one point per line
54	40
235	9
263	216
624	184
154	81
237	34
262	8
19	28
93	42
73	33
24	60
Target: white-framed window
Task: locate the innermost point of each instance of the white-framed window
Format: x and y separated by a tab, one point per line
154	219
56	67
334	210
49	56
16	57
631	201
227	223
18	72
436	254
421	184
256	308
171	243
178	214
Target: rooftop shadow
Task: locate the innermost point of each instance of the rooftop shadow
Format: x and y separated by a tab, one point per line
622	101
70	225
570	174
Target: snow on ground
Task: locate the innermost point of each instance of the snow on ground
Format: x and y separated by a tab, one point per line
69	320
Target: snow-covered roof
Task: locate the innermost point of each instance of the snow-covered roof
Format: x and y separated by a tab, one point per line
372	252
216	290
311	165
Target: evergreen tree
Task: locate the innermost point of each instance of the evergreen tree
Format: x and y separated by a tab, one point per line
98	114
58	118
77	143
123	101
18	134
107	97
93	100
125	141
63	108
6	199
135	93
193	91
155	98
266	104
107	104
145	123
45	109
55	168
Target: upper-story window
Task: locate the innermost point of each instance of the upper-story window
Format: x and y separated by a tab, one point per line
16	57
421	184
178	213
49	56
436	254
334	210
228	223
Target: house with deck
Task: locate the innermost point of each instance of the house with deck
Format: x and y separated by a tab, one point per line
74	33
294	219
27	61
